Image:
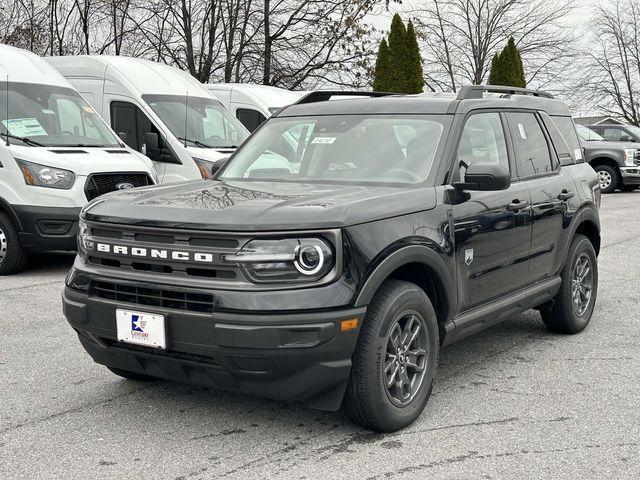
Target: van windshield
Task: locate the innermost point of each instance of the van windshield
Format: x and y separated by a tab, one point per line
44	115
341	148
198	121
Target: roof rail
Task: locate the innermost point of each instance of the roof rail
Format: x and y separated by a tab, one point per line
475	91
324	95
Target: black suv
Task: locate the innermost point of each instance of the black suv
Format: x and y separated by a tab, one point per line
341	247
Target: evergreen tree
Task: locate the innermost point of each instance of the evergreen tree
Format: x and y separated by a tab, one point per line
414	74
507	68
382	75
399	65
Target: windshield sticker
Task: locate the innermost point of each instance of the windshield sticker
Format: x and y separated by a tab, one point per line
577	153
324	140
48	112
522	132
24	127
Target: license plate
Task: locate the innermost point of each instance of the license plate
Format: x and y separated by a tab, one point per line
141	328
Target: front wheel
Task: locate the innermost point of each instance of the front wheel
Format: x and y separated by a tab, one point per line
608	177
572	307
395	361
12	255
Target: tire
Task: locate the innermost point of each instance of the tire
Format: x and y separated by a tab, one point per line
629	188
367	400
564	315
608	177
137	377
12	255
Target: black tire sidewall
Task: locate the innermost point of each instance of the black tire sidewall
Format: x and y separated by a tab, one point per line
401	297
14	255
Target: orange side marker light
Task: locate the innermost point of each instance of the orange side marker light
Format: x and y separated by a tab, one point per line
349	324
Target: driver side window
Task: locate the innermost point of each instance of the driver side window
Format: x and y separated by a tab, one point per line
482	141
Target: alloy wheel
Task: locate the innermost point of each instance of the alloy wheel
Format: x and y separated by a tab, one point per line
3	245
581	284
405	358
604	178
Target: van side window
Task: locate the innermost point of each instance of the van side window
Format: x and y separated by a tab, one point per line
482	141
250	118
127	118
530	144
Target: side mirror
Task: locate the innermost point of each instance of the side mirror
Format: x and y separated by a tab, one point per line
485	177
218	166
122	136
151	141
626	138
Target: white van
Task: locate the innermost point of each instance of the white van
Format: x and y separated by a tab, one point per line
251	103
158	110
56	153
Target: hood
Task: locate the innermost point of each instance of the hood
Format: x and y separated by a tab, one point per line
83	160
211	154
259	206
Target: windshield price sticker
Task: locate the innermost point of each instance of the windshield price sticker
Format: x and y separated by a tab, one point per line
24	127
522	132
324	140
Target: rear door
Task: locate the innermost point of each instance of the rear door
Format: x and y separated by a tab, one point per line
492	229
553	191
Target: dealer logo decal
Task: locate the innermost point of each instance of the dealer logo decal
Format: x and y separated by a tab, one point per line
137	327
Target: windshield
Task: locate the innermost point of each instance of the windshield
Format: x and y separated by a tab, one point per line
200	122
341	148
44	115
634	130
586	134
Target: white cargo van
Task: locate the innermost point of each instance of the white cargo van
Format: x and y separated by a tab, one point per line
56	153
252	104
158	110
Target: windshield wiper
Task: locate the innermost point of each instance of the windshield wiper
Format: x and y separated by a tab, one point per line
26	140
226	146
197	143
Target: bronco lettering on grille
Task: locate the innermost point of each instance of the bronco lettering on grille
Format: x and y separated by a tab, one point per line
199	257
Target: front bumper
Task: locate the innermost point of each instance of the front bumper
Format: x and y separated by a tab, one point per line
630	175
283	356
47	228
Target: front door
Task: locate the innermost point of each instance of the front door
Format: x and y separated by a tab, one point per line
492	229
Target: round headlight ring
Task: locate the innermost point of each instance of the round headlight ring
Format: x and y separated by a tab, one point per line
302	265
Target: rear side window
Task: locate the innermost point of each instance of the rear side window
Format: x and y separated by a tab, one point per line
250	118
568	131
530	145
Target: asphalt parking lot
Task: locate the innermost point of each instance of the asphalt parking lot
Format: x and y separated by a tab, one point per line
512	402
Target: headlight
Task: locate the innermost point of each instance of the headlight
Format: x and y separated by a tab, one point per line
206	167
630	157
84	244
44	176
284	260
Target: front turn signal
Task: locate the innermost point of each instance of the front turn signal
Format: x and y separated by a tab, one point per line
348	324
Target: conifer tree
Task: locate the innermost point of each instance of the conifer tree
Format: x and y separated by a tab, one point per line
383	68
414	73
507	68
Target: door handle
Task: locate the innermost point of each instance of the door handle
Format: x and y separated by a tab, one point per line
565	195
517	205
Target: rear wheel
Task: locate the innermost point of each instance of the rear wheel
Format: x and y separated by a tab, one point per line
608	177
572	307
395	361
138	377
12	255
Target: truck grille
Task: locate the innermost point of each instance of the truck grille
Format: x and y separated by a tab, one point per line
101	183
153	297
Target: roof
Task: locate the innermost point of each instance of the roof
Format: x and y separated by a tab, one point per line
25	67
270	95
425	103
142	75
597	120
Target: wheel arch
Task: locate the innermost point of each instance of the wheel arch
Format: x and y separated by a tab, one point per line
422	266
603	160
8	209
587	223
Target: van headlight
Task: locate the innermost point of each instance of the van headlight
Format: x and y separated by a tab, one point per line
284	260
630	157
206	167
43	176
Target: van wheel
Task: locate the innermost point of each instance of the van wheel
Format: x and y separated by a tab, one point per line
608	177
395	361
573	305
12	255
138	377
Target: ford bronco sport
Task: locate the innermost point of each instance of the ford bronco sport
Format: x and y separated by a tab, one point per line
341	247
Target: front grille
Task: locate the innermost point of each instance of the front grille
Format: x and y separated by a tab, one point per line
153	297
101	183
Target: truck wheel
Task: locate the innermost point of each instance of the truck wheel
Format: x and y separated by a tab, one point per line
573	305
138	377
608	177
395	361
12	255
